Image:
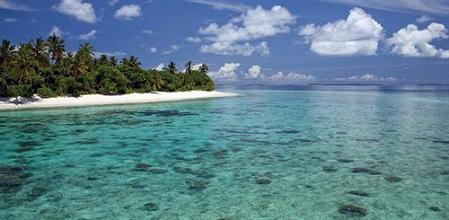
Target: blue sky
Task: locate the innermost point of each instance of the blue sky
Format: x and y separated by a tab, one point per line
304	41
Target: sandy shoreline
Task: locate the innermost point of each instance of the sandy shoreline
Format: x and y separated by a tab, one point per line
93	100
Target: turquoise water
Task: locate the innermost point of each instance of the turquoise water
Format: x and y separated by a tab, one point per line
267	155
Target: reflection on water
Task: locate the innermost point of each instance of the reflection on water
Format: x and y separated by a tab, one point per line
267	155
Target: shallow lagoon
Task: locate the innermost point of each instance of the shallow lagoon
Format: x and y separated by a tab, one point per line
267	155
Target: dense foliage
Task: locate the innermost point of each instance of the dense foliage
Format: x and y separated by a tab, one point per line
46	68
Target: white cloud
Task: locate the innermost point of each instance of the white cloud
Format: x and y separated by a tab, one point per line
412	42
234	36
88	36
229	48
153	50
110	54
171	49
197	66
226	72
112	2
56	31
10	20
6	4
291	77
359	34
366	78
423	19
149	32
193	39
83	11
255	72
160	67
128	12
222	5
427	6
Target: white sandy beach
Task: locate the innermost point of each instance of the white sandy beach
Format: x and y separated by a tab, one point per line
92	100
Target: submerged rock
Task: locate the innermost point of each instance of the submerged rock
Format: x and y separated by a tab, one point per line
343	160
393	179
12	177
349	209
142	167
445	173
156	170
358	193
200	150
4	169
11	181
220	154
203	173
37	191
263	180
197	184
365	170
150	207
183	170
329	169
434	208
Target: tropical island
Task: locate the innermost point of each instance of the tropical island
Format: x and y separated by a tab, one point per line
42	69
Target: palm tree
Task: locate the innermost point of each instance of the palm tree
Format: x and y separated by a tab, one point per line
23	65
156	81
6	52
56	48
134	62
103	60
188	66
113	61
78	67
171	67
82	60
40	53
204	68
85	53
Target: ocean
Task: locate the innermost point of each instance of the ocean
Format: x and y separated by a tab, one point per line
310	152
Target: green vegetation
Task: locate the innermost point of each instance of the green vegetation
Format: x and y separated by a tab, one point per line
45	68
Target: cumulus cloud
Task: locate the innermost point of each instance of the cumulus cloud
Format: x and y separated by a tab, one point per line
226	72
88	36
160	67
412	42
193	39
291	77
153	50
149	32
83	11
171	49
234	36
10	20
128	12
255	72
110	54
112	2
359	34
230	48
423	19
6	4
195	67
56	31
366	78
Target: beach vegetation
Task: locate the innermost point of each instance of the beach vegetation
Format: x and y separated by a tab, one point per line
48	69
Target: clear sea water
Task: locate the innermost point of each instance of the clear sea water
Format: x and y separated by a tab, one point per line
270	154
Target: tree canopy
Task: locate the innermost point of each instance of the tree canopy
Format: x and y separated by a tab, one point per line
44	67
